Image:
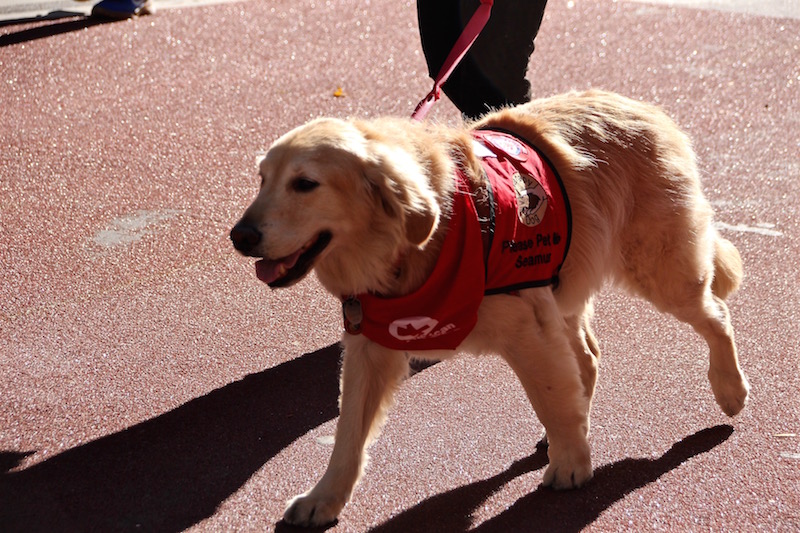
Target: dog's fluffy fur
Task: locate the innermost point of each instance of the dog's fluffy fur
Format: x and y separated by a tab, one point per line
381	192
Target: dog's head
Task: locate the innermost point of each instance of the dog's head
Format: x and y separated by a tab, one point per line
336	196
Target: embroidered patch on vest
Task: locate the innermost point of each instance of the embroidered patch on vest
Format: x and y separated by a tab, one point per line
508	145
531	199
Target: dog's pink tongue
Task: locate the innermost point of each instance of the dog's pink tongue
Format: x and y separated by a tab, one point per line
268	270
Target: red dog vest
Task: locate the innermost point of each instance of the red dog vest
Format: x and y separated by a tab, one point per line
511	235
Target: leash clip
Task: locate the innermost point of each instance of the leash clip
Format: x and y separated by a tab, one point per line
426	103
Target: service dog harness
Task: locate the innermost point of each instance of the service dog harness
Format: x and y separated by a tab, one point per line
511	234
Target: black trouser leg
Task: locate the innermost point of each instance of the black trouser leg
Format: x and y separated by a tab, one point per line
492	74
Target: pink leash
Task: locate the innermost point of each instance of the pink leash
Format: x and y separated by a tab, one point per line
463	44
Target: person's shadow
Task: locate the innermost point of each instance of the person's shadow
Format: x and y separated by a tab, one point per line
60	22
174	470
546	509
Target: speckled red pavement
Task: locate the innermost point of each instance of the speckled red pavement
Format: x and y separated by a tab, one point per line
149	382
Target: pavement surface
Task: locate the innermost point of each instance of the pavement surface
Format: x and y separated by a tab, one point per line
149	382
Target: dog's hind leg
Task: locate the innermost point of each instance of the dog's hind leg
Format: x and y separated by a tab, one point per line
709	316
539	346
678	278
589	337
724	373
584	345
370	375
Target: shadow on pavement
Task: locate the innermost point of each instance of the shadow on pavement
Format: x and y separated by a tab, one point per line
545	509
58	27
170	472
174	470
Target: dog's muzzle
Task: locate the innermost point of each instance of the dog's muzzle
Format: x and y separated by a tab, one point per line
283	271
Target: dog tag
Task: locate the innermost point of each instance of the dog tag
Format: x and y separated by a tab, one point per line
353	315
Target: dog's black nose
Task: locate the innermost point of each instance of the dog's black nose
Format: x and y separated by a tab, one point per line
245	237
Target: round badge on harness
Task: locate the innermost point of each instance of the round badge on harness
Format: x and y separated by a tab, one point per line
508	145
531	199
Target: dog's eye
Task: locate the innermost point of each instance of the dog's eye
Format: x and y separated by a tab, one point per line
303	184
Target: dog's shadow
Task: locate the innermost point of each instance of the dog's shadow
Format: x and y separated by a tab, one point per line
174	470
546	509
171	472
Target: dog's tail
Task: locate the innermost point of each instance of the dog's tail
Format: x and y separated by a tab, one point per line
728	269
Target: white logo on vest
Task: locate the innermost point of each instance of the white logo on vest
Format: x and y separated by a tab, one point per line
417	327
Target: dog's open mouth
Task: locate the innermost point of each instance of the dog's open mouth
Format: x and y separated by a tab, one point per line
287	270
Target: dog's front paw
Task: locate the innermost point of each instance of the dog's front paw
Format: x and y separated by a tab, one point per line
730	390
568	470
308	510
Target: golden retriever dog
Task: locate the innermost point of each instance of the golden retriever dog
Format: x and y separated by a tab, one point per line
368	206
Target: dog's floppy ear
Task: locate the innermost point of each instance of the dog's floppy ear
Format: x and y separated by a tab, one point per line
404	191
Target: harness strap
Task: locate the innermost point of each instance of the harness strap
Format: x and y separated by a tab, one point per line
460	49
483	200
